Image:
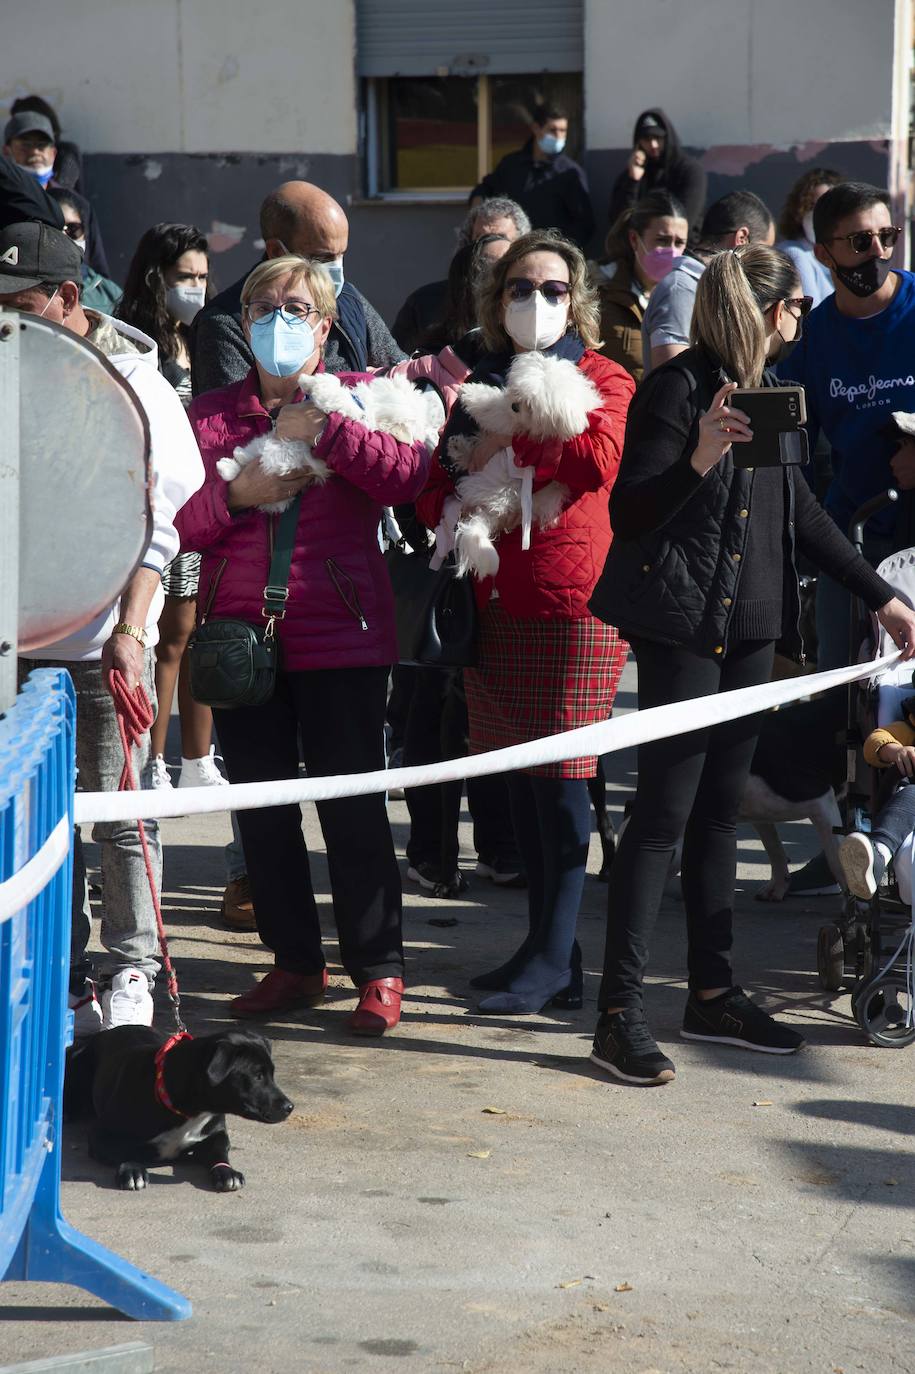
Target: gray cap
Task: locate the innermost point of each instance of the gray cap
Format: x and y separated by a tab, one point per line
28	123
31	253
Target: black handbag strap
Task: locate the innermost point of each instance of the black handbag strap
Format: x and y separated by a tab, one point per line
276	591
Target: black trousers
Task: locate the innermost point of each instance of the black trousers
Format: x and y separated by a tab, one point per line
436	730
689	788
339	713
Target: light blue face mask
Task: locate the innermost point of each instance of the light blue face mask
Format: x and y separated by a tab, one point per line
550	144
335	272
42	174
282	344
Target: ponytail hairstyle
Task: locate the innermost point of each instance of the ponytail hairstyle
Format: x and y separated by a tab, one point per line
734	292
655	205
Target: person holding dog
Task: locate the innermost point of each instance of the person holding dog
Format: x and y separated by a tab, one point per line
701	579
546	664
337	641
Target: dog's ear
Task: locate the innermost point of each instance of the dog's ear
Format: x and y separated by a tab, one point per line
220	1062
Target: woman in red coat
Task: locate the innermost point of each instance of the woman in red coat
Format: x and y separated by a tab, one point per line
545	663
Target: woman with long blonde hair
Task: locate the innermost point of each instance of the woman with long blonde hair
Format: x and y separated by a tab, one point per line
701	580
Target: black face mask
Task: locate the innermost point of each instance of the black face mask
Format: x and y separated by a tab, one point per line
865	279
787	346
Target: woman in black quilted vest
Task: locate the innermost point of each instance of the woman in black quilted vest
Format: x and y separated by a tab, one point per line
701	580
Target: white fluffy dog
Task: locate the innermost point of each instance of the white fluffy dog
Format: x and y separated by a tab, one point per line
391	405
545	398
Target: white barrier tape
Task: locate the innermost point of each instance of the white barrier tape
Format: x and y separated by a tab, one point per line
16	892
622	732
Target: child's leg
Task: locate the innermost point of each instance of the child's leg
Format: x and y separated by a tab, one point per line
902	866
896	820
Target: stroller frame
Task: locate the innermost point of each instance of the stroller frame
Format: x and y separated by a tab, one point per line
852	951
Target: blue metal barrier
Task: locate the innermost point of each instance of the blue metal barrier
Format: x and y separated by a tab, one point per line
37	781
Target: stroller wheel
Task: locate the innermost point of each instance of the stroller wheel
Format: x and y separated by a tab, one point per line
830	958
885	1011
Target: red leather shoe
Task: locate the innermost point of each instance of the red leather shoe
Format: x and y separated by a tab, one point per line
281	991
379	1007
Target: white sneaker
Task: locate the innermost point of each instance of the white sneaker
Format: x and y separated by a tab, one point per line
201	772
160	778
87	1012
128	1002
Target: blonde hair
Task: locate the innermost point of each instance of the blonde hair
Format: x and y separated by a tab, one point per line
584	311
734	292
302	270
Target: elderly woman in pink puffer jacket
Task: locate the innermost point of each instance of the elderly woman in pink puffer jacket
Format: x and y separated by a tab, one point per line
337	644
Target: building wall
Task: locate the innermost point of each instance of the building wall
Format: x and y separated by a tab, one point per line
194	109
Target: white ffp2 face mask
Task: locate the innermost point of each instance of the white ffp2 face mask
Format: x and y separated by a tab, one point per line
535	323
183	302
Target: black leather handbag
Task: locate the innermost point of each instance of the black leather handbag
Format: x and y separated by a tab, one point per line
436	611
232	662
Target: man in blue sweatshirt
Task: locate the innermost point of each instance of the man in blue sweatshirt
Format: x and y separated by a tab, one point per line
856	361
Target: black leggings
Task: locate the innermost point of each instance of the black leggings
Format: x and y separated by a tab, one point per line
689	788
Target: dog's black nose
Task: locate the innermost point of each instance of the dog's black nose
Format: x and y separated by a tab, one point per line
286	1107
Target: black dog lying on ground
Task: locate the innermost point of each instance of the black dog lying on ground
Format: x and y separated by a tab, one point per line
158	1099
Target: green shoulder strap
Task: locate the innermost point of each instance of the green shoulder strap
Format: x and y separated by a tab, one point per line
277	588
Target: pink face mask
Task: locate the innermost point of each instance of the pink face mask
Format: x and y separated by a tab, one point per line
657	262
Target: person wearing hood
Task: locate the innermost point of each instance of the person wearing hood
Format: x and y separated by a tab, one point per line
549	186
658	163
40	270
642	247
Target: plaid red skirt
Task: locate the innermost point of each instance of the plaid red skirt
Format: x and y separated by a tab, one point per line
540	677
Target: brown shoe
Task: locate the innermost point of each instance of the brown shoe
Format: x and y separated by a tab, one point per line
281	991
237	908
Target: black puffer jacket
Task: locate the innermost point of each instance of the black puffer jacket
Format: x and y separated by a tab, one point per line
673	574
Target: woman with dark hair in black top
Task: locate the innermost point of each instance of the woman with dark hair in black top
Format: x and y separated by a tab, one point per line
701	580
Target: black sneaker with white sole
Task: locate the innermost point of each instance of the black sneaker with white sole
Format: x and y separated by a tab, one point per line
862	864
733	1019
624	1046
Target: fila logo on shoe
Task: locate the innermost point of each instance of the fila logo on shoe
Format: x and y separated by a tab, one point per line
11	256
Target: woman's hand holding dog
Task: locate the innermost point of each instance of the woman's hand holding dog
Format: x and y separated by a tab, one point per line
485	447
720	427
254	487
303	422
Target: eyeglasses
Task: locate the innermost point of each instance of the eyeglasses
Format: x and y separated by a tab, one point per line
861	240
75	229
522	288
293	310
802	304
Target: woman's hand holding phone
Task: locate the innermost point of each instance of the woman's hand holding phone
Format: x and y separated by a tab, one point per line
719	428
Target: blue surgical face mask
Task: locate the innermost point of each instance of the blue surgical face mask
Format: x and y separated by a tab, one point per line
335	272
42	174
550	144
282	344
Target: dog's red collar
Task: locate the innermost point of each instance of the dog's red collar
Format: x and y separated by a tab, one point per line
159	1088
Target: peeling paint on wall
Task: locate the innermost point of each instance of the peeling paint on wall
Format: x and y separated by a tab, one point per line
152	170
222	237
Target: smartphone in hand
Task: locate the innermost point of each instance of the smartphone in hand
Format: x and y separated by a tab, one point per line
777	418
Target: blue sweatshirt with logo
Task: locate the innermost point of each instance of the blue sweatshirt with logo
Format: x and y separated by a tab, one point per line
855	374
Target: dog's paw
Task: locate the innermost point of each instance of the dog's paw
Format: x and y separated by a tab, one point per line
228	469
226	1179
131	1177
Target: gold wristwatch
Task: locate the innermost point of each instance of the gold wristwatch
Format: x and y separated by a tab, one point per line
135	631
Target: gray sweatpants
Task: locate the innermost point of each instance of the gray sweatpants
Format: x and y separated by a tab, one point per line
128	930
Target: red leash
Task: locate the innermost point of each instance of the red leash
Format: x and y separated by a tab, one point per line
135	716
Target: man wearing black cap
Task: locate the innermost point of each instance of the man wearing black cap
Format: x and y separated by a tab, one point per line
28	143
549	186
39	275
657	163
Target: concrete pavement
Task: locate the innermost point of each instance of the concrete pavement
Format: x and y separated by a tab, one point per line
469	1194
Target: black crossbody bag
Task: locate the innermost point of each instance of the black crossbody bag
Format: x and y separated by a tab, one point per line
232	662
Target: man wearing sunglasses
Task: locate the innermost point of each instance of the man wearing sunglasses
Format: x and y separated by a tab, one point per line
856	361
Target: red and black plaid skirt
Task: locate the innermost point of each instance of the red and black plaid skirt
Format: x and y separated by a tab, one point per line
540	677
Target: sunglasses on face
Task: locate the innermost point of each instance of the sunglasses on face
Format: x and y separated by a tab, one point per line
75	229
861	241
522	288
802	304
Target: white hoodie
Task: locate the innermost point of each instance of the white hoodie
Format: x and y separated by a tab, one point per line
177	472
